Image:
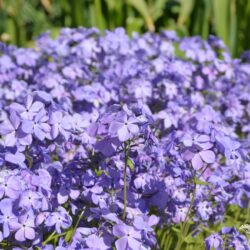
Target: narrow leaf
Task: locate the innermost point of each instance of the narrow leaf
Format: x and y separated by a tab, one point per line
185	10
130	164
142	8
199	182
221	18
99	18
158	8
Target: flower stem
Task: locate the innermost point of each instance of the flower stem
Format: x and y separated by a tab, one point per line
77	224
125	183
248	212
49	238
53	236
185	227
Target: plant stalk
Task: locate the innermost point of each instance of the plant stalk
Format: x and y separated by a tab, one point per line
125	183
185	227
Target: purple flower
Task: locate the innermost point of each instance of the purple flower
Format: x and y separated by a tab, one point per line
206	118
10	186
179	194
26	229
38	126
30	199
6	63
168	119
26	57
142	180
207	156
142	89
229	147
41	218
60	124
65	192
8	219
202	141
95	242
145	223
8	129
204	210
30	109
124	126
180	214
108	146
42	180
199	158
129	238
213	241
59	219
17	158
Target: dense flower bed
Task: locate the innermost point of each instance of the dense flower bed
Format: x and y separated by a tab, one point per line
111	142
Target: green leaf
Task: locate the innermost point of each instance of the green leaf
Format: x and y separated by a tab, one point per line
177	230
116	11
189	239
199	182
142	7
99	18
130	164
206	19
221	18
185	10
134	24
162	237
190	222
233	26
69	234
158	8
76	13
99	172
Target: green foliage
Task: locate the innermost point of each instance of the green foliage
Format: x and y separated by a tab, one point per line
130	164
22	20
169	237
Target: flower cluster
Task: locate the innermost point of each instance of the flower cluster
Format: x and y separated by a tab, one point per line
106	139
227	238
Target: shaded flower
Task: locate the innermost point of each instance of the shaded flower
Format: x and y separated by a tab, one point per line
59	219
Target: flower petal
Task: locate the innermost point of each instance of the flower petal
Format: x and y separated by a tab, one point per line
123	133
197	162
122	244
208	156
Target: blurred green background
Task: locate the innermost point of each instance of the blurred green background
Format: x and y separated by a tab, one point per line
22	20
